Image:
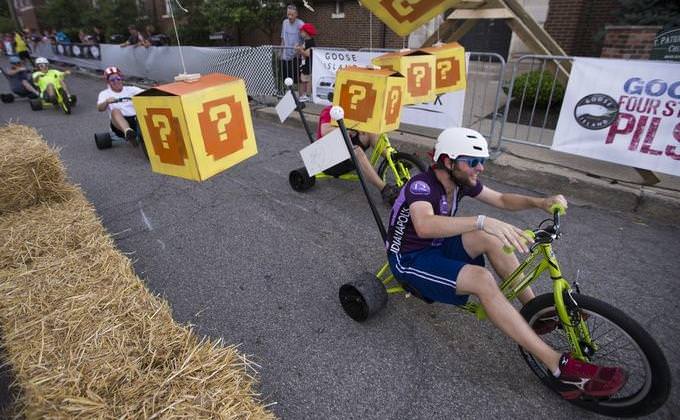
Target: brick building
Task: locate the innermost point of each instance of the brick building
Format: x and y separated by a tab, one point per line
577	25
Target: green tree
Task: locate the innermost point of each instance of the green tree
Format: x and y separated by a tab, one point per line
193	27
113	16
62	14
242	15
238	15
270	16
650	12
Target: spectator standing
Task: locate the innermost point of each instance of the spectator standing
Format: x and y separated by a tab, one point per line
8	44
154	38
62	38
98	36
290	39
85	38
22	48
135	39
308	32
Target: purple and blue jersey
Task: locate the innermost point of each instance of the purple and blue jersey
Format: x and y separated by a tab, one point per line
401	235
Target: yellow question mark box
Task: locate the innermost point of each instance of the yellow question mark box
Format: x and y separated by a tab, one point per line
405	16
450	72
418	67
371	98
196	129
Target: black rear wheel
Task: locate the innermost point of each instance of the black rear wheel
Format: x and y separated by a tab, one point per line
36	104
406	166
363	297
102	140
300	180
618	341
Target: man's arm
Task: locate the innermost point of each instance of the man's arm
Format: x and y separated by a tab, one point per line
430	226
326	128
102	103
513	202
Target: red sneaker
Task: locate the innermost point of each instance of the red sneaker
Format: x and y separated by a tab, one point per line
577	378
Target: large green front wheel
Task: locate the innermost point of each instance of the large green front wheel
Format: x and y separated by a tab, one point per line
406	166
619	341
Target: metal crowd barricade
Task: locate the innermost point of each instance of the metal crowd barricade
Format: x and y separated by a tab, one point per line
534	100
287	63
483	94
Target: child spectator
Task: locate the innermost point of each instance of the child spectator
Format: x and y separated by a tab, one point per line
307	32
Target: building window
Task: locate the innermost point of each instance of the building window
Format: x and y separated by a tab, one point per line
339	10
22	5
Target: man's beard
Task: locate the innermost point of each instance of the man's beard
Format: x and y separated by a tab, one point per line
461	178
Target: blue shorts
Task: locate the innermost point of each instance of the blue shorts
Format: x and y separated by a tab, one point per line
433	271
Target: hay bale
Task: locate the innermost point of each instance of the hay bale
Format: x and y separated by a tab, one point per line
86	339
54	230
30	171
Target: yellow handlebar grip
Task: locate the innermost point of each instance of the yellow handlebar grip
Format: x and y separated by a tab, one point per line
559	208
508	249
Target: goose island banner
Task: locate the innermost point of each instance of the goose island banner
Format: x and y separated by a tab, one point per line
622	111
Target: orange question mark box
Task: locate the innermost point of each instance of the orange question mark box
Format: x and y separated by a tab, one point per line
405	16
196	129
450	73
419	69
371	99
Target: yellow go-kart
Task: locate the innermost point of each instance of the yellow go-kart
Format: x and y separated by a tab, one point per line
57	97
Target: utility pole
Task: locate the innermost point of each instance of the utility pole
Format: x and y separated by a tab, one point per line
13	14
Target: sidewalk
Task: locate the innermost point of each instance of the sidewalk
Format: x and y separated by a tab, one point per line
585	182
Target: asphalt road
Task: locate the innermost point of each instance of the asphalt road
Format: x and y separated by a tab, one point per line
243	257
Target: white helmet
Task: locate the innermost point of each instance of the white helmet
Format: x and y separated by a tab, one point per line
41	60
459	141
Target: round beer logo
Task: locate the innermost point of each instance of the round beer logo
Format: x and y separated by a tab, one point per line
596	111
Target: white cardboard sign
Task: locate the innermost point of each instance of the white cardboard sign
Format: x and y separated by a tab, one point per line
324	153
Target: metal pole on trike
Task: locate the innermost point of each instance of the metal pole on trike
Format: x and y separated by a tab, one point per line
338	114
299	106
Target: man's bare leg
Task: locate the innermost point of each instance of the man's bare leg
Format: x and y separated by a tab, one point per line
119	120
29	87
367	169
478	281
479	242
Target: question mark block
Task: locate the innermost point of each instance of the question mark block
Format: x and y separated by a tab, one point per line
450	74
405	16
195	130
418	67
371	98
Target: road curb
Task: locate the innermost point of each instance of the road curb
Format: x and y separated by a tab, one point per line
641	202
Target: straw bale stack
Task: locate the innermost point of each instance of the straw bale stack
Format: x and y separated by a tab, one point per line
30	171
85	338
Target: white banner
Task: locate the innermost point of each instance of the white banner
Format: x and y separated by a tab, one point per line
622	111
445	112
